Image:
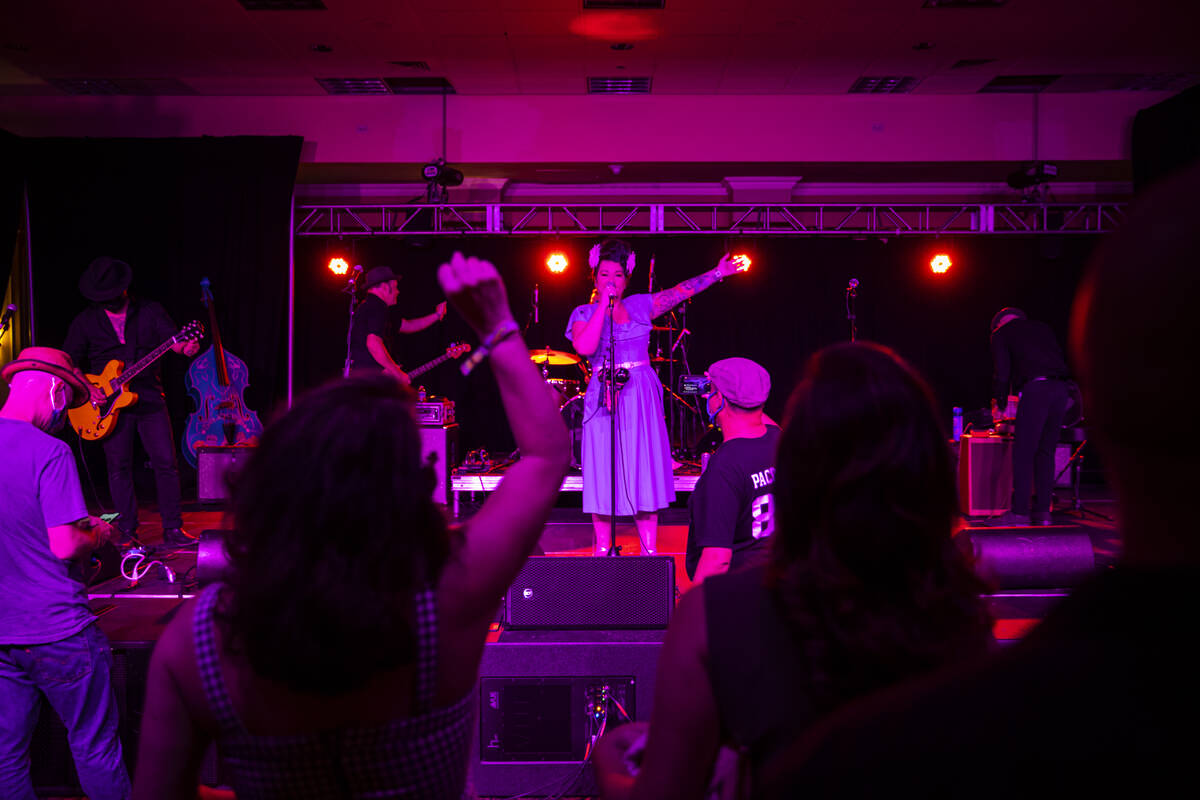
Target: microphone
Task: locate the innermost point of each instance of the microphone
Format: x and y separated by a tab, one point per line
7	316
535	304
853	285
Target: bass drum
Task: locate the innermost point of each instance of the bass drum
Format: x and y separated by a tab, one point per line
572	414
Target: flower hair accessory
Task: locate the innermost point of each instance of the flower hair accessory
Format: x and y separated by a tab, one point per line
594	256
630	263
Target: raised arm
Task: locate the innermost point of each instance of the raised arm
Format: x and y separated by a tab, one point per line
667	299
499	538
421	323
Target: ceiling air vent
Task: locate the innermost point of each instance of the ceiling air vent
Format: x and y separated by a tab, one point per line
1018	84
419	86
624	5
618	85
353	85
144	87
283	5
884	84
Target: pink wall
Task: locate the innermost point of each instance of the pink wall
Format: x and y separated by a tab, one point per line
557	128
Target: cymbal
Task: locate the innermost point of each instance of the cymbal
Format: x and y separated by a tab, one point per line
555	358
661	360
663	328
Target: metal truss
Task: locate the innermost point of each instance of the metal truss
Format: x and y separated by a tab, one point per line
721	219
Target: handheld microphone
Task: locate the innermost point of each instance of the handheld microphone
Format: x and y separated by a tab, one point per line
7	316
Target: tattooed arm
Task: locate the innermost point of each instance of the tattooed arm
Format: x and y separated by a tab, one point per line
667	299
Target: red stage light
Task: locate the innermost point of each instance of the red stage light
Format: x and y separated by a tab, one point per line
338	266
742	262
940	263
556	263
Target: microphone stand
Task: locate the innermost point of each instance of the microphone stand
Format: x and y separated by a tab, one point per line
350	289
851	293
611	388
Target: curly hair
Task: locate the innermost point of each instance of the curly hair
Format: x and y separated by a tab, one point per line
864	566
335	531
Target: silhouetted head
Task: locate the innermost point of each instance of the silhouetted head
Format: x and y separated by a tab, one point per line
335	531
1133	343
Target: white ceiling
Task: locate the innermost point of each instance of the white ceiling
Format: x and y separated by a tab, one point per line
486	47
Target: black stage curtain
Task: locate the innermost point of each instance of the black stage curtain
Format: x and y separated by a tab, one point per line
12	182
790	304
176	210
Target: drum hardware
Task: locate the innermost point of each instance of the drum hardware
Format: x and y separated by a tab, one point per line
572	415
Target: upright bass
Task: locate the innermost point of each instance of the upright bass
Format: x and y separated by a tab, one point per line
216	381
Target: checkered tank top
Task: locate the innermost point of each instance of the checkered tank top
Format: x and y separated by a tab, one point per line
420	756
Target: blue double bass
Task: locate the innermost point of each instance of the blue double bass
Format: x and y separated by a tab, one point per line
216	380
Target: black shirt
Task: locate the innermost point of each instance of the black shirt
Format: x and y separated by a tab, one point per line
372	316
92	342
732	505
1024	349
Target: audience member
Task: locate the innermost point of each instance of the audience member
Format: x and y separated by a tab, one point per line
1101	696
50	644
731	513
339	657
864	585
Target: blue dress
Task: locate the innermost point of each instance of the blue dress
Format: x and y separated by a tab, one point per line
644	478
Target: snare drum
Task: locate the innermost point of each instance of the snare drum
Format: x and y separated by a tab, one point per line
572	414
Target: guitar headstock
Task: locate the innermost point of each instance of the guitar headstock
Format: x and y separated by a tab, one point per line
192	332
457	349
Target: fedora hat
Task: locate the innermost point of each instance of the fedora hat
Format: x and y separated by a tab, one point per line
105	279
55	362
378	275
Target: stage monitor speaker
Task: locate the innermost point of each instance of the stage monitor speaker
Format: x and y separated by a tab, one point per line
603	592
984	474
1023	558
212	462
439	447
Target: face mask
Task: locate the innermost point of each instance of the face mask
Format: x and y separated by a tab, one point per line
58	418
712	415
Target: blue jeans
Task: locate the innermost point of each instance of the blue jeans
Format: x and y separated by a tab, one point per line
75	676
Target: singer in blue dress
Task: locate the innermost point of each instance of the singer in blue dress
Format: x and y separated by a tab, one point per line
644	476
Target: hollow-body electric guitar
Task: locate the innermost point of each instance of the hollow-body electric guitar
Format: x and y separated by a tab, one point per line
96	420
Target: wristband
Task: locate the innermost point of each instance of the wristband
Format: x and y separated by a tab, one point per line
505	330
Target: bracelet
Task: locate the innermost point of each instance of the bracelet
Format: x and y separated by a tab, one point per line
506	329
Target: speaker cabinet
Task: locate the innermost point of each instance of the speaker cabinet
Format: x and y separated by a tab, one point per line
1024	558
985	474
439	448
603	592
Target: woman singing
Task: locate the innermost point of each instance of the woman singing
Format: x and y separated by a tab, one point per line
644	478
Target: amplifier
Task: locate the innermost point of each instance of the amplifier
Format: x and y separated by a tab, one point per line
435	413
984	474
439	447
599	593
212	462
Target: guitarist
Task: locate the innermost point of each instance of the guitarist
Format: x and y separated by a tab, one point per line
371	338
116	326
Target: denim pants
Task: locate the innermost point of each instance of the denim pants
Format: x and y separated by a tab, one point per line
75	676
149	420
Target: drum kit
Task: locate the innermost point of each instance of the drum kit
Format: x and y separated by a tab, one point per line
568	375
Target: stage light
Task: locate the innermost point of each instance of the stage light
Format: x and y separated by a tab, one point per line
556	263
940	263
742	262
338	266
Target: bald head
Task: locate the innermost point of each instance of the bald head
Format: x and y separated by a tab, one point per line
29	397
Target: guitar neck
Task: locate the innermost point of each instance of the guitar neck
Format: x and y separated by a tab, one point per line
144	362
421	370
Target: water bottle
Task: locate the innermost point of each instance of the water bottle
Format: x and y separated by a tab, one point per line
957	424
